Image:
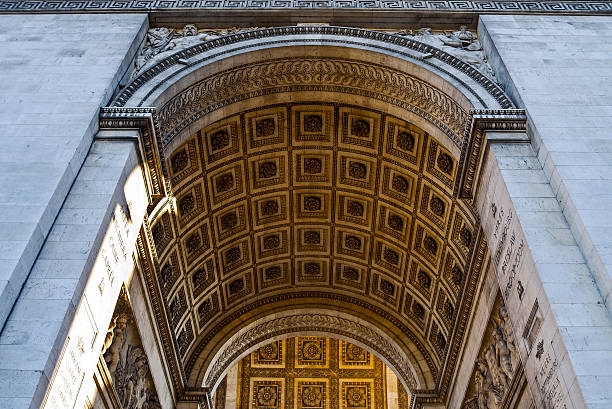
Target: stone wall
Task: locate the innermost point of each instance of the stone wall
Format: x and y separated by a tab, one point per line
56	71
559	70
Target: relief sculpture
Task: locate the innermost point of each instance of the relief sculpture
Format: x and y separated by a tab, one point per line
127	362
496	365
161	42
462	44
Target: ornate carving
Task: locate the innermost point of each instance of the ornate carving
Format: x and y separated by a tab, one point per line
352	242
456	275
437	206
229	220
391	256
510	120
395	222
424	279
496	365
430	245
418	310
312	269
355	208
312	203
333	74
467	6
313	123
219	140
301	322
445	163
313	165
236	286
269	207
271	242
465	236
233	255
179	161
193	243
387	287
187	204
264	127
360	128
267	170
405	141
400	184
461	44
312	237
273	273
357	170
224	182
350	273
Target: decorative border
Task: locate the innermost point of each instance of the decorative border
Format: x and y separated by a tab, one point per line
474	148
395	42
309	322
145	121
312	74
466	6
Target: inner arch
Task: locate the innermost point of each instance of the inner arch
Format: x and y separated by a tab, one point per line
294	187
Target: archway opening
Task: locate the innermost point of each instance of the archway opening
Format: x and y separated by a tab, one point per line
301	179
310	370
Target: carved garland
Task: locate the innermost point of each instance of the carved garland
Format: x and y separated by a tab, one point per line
306	322
325	74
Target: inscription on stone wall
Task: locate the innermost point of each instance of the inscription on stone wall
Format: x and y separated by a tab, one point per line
549	384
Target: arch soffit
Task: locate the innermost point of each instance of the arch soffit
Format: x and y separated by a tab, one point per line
451	95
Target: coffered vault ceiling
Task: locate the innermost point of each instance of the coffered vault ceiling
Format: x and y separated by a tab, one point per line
317	201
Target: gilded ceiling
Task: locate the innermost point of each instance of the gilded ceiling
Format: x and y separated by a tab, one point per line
322	201
310	373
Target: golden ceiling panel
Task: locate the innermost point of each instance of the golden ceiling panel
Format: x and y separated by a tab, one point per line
318	197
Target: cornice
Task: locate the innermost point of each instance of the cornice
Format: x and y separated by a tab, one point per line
423	6
475	143
143	119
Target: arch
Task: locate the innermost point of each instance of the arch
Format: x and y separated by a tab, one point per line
235	76
303	322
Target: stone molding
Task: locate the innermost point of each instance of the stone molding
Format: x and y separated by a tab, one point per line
317	74
311	322
432	6
474	148
145	121
429	55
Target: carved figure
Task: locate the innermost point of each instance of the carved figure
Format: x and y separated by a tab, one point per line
504	324
110	333
461	44
161	42
112	354
500	380
503	353
483	384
